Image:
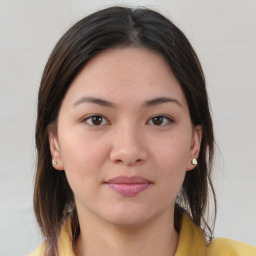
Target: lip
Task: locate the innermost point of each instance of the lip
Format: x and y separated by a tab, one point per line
128	186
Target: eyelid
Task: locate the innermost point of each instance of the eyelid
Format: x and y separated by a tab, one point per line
85	118
169	118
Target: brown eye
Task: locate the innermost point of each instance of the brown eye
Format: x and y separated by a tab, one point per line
96	120
160	120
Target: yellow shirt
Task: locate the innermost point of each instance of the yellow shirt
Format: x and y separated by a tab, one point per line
192	242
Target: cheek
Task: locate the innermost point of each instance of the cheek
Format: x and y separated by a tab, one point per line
172	152
80	147
170	158
83	158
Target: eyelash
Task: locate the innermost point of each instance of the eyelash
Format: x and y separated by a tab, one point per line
166	118
92	116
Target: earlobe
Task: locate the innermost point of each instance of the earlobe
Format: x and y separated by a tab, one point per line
195	147
55	152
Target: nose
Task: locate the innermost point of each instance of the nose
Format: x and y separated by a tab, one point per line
129	147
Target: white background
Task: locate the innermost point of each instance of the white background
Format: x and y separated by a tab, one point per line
224	35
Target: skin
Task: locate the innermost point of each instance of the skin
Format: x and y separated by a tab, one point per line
125	140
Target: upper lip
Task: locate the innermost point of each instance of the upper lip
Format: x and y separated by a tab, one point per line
128	180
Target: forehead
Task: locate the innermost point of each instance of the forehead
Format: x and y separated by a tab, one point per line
126	74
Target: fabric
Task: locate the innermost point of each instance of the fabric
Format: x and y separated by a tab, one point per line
192	242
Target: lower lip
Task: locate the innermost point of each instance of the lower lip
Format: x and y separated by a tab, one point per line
128	189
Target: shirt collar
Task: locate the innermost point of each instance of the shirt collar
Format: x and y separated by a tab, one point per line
192	240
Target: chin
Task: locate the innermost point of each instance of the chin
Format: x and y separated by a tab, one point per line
128	222
129	217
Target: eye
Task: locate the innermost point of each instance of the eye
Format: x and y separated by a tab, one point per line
96	120
160	120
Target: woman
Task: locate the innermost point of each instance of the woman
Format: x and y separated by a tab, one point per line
125	142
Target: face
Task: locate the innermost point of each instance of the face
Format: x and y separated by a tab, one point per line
124	137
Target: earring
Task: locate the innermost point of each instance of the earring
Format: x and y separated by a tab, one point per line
54	163
194	161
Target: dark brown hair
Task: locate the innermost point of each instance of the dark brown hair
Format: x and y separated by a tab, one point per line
105	29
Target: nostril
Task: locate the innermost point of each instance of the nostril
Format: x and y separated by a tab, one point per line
128	162
128	156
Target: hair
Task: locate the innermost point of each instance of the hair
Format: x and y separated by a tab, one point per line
110	28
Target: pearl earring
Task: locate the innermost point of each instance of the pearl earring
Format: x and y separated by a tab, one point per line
194	161
54	163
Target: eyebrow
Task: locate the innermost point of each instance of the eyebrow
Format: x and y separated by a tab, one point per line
105	103
94	100
161	100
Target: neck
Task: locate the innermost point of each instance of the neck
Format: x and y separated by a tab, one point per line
157	237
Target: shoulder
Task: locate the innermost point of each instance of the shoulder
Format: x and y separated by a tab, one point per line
39	251
229	247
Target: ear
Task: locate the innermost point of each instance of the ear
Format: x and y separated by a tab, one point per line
195	146
55	152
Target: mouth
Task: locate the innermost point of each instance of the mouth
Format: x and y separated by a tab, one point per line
128	186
